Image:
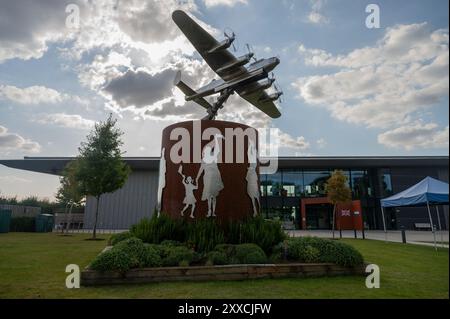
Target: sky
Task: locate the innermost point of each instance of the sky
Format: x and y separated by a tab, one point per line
348	89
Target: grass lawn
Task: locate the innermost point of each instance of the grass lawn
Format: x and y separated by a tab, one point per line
33	265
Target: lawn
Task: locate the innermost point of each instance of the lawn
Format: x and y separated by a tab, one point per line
33	265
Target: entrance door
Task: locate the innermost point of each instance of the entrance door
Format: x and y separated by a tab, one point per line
319	216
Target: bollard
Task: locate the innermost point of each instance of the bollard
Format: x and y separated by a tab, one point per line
403	235
363	233
356	235
340	233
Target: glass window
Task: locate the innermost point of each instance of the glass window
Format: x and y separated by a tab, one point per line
314	183
263	184
360	184
386	184
293	183
274	184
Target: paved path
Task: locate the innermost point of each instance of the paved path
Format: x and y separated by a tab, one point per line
412	237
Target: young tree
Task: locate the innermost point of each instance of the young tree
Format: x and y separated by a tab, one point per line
337	191
69	192
100	166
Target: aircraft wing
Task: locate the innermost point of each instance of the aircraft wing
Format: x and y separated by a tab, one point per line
203	42
255	98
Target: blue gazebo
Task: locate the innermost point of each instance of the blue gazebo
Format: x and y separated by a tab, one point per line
427	192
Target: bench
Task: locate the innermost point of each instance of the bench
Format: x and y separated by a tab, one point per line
418	226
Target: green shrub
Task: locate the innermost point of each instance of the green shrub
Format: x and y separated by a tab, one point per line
151	257
175	255
264	233
112	260
217	258
157	229
22	224
117	238
204	234
311	249
249	254
135	248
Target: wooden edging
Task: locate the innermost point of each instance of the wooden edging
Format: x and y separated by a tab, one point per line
209	273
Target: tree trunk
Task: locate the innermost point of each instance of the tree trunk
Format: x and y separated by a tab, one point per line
65	216
94	234
70	218
334	214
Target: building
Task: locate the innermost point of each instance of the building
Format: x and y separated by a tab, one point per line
295	194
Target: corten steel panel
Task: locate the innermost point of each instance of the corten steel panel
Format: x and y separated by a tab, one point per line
126	206
233	201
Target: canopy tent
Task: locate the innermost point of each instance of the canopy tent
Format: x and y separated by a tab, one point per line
427	192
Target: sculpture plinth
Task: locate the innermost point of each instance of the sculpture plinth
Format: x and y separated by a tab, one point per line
209	169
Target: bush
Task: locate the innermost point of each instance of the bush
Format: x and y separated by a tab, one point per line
117	238
151	257
249	254
157	229
203	235
135	248
311	249
177	255
217	258
112	260
264	233
23	224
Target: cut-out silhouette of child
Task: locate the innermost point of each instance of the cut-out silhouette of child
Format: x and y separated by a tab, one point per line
189	198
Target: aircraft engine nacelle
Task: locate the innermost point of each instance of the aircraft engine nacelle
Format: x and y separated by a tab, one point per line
238	62
272	97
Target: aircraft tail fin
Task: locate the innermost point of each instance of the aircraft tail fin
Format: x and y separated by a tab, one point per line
190	92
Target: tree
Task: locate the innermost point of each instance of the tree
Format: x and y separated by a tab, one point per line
100	166
69	192
337	191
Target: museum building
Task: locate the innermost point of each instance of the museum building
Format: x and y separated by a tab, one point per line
295	194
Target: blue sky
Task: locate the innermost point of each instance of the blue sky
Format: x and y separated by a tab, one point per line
349	90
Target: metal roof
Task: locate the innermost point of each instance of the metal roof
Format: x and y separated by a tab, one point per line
54	165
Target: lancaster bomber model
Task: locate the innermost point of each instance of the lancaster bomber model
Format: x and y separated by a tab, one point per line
249	81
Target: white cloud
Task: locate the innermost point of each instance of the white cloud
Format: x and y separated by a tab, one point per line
67	120
321	143
294	143
228	3
30	95
390	84
10	142
416	135
315	16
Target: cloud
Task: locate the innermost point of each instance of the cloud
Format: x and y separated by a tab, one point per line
141	88
67	120
383	86
14	142
14	179
170	110
227	3
27	26
30	95
416	135
297	144
321	143
315	16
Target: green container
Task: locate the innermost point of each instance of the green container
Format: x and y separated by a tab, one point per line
5	220
44	223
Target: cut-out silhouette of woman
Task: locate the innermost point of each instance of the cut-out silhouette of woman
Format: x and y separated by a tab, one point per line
212	180
252	176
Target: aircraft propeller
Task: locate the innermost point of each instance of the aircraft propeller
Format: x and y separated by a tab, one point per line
231	36
251	52
278	89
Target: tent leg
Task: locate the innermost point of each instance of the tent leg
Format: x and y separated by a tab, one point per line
384	224
439	223
432	226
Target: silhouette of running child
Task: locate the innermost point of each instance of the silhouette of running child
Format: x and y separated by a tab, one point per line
189	198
